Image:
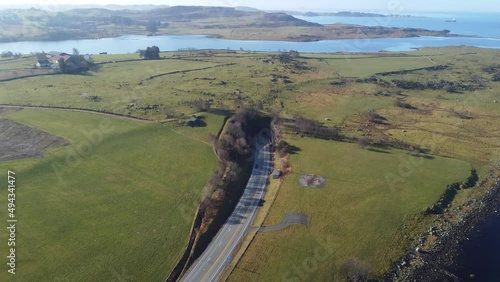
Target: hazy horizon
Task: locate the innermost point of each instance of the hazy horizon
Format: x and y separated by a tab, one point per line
376	6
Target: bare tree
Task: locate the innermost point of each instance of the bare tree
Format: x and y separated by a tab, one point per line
306	126
363	142
201	105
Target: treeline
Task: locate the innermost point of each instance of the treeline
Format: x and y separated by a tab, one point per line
290	60
9	54
449	86
312	128
385	142
433	68
476	82
235	149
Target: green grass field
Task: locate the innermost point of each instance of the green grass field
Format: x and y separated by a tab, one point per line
150	167
124	87
122	207
213	122
10	63
357	214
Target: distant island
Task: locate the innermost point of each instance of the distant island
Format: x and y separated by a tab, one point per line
351	14
219	22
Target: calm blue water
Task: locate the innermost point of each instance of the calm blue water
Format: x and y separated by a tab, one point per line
131	43
480	255
485	25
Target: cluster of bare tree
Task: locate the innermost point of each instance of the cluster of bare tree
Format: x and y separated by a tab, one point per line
308	127
373	117
234	151
234	144
385	142
290	60
9	54
201	105
282	148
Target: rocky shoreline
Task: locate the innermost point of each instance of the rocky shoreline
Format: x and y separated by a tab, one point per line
433	261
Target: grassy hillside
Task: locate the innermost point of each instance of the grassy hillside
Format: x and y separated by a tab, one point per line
444	100
358	214
116	204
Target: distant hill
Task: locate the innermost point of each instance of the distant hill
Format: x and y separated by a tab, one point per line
135	7
225	14
197	12
349	14
247	9
220	22
337	14
357	14
62	7
285	19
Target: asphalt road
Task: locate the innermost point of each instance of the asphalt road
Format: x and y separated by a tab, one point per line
210	264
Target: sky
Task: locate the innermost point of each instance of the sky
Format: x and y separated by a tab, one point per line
379	6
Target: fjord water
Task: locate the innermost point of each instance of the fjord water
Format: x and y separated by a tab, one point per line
480	255
484	25
131	43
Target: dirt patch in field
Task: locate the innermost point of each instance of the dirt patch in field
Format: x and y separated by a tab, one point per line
18	141
4	110
311	180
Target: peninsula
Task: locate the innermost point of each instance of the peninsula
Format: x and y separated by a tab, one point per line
220	22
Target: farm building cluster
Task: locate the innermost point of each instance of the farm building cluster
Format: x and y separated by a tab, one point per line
53	59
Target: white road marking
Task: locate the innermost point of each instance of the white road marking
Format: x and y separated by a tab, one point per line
247	206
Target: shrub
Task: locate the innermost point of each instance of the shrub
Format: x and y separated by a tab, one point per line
201	105
7	54
363	142
402	104
374	118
